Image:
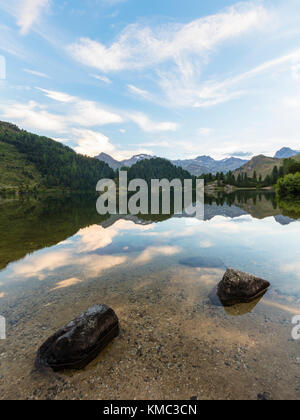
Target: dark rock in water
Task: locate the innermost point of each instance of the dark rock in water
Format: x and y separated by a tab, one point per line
237	287
203	262
78	343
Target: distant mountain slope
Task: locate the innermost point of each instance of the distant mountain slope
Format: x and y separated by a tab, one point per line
110	161
46	162
286	153
198	166
206	164
262	165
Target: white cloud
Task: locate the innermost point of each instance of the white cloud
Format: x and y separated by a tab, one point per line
149	126
89	114
83	112
140	92
190	91
101	78
34	116
177	53
141	47
29	12
219	91
58	96
76	118
91	143
37	73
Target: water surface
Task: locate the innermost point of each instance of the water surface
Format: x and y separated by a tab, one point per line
58	257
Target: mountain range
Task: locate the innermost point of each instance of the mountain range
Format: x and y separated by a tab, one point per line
116	164
198	166
204	164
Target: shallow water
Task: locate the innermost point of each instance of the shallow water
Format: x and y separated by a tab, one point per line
58	257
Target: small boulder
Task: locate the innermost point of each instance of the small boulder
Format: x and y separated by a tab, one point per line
79	342
238	287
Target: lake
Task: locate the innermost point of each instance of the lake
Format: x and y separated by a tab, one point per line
58	257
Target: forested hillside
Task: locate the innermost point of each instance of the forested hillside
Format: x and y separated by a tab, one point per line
157	168
16	171
45	163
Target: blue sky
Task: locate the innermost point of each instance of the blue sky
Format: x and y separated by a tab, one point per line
172	78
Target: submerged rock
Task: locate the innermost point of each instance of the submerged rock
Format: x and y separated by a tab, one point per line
203	262
79	342
238	287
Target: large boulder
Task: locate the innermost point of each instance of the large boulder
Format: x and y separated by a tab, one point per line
80	341
238	287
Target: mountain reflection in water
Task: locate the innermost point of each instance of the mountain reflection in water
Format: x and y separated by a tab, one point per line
223	239
31	224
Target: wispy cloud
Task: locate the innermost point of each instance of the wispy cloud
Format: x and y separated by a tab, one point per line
140	47
83	112
101	78
9	43
58	96
215	92
90	114
29	12
37	73
144	122
139	92
177	53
